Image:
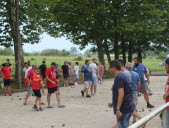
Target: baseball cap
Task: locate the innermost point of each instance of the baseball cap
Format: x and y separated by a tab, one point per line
167	61
53	63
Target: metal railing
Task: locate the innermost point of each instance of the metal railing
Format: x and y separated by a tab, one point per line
150	116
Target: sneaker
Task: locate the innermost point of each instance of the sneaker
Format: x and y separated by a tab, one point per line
88	96
82	92
150	106
35	107
25	104
10	94
150	93
4	94
95	94
40	109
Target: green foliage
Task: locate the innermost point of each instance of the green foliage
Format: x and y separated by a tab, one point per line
162	56
6	51
79	58
32	59
74	51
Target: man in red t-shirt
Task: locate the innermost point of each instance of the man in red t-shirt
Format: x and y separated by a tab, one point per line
35	82
6	70
32	72
52	84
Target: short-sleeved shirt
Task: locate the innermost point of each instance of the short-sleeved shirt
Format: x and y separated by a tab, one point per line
141	70
127	106
26	71
134	82
167	61
87	73
127	73
93	68
76	69
43	69
51	74
31	73
145	78
65	69
167	99
7	72
35	82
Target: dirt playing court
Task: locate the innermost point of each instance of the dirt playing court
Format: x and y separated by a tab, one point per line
80	112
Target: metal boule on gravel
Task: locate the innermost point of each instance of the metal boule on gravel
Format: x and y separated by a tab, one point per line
63	125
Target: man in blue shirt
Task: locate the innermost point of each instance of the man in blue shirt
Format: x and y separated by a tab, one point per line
122	100
135	86
141	70
86	78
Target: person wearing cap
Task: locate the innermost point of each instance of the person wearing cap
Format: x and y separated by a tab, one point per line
93	67
32	72
166	95
25	72
52	85
135	85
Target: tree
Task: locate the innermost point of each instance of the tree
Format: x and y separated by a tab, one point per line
19	25
74	51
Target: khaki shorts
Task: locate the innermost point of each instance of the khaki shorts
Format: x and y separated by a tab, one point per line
135	99
87	84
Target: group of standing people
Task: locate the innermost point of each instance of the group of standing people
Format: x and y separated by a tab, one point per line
91	73
129	81
33	79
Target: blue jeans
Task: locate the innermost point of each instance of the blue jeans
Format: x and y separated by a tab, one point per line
123	122
167	123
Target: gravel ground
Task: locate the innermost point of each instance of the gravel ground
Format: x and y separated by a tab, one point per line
80	112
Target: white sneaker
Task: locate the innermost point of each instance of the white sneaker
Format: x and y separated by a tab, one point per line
95	95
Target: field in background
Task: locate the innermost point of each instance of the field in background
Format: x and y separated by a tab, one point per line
151	62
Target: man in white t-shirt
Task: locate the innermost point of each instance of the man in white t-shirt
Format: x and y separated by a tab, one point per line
25	72
93	68
76	72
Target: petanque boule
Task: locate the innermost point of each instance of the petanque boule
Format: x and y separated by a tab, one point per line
52	125
107	110
63	125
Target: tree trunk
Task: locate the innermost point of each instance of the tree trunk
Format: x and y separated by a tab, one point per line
130	52
139	54
100	52
106	48
13	12
116	52
123	50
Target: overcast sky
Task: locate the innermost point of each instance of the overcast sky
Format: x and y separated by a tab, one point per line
48	42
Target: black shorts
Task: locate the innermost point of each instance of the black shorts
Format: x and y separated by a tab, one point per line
52	90
37	93
66	76
7	82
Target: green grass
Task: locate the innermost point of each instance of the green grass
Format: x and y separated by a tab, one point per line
151	62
